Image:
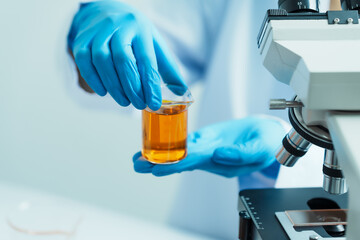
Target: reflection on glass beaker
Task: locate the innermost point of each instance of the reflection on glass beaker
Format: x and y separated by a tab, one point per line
165	130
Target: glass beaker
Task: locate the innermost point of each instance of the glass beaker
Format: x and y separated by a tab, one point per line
165	130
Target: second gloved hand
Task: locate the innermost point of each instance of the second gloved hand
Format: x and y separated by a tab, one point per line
117	50
229	149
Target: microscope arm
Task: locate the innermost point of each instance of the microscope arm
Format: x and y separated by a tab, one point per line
345	132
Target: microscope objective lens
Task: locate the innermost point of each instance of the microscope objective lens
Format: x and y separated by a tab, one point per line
295	6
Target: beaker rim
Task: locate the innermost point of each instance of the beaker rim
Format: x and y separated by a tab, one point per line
173	94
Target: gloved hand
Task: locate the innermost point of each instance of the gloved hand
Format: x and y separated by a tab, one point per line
229	149
117	50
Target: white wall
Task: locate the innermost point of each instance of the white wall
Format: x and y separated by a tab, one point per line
50	138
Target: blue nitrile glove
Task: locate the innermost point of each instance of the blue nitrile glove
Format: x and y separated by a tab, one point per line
229	149
117	50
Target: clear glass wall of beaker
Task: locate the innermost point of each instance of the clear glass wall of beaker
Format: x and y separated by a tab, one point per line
165	130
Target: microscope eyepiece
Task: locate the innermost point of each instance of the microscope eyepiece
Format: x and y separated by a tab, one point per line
292	6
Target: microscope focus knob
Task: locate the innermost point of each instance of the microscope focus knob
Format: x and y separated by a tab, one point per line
278	104
292	6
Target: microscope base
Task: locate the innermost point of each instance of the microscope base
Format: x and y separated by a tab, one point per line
262	213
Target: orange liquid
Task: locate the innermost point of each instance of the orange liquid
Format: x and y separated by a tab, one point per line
164	134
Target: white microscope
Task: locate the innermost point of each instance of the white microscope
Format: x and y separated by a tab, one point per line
317	54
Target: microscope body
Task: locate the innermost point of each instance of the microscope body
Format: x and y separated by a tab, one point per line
317	54
318	60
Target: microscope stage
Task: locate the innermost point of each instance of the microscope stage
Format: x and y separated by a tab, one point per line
266	208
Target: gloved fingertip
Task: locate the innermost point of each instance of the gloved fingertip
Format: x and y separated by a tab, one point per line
164	170
100	92
140	105
143	166
137	156
153	97
94	83
123	101
179	90
160	174
84	4
142	169
155	105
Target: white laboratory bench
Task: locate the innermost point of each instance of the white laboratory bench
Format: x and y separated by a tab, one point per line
96	223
